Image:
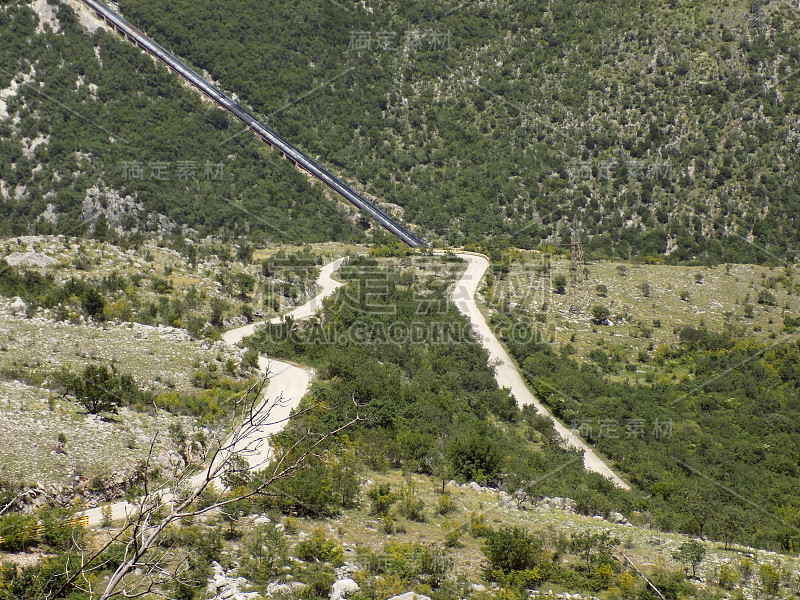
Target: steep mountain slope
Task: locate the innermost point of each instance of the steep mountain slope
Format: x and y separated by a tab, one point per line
91	126
665	127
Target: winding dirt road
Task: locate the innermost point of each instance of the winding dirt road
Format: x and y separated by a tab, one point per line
288	384
506	372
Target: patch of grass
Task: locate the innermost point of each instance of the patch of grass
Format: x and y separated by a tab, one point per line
648	303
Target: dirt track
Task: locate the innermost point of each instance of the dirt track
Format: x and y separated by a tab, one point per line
506	371
288	384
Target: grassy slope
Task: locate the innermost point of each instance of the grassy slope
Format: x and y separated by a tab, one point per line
718	299
32	350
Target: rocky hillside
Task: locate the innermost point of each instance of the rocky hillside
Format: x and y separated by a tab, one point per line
70	304
95	135
430	545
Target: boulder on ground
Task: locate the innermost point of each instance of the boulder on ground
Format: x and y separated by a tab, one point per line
17	306
410	596
343	588
283	589
617	517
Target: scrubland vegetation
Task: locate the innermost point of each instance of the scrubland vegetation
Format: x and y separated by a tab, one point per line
663	136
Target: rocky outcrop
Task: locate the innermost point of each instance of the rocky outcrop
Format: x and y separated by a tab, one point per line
90	494
225	586
106	201
617	517
29	259
546	503
534	594
557	503
17	307
282	590
410	596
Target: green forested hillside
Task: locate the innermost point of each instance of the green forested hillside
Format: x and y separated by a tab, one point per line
711	450
91	125
715	450
661	125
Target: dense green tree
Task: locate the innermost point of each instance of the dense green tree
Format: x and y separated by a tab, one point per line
560	283
474	456
728	523
236	473
345	472
600	314
18	531
593	546
100	389
267	552
770	579
244	283
95	389
690	554
512	549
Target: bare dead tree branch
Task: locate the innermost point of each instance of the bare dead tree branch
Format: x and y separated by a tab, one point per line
10	504
142	530
249	418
